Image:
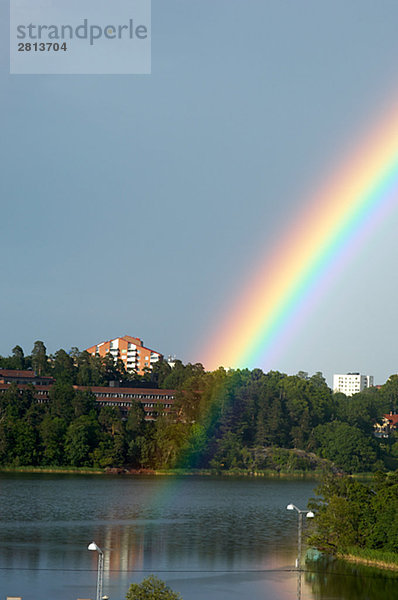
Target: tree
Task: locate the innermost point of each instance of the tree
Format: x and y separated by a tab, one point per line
389	392
18	358
346	446
109	419
302	375
25	447
318	380
351	515
180	373
343	514
80	440
151	588
39	357
83	403
52	432
63	367
159	372
168	438
89	368
111	370
60	403
135	423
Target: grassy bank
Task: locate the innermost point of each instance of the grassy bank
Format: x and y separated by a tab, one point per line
269	473
70	470
286	474
371	558
277	473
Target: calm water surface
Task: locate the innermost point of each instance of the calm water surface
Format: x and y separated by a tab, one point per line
208	538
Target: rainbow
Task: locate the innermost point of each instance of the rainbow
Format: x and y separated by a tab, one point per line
333	225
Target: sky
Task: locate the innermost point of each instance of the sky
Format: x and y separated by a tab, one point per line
138	204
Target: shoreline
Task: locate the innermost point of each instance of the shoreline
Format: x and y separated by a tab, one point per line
368	562
125	471
164	473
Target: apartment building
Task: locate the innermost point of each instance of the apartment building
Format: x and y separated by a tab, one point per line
154	402
130	350
351	383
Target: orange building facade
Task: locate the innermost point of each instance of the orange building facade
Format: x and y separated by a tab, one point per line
130	350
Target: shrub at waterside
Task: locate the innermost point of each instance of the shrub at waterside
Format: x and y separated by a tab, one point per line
358	518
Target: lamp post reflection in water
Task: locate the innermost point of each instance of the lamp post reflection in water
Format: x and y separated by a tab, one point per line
309	514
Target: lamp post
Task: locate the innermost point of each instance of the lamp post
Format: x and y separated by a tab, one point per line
309	514
100	573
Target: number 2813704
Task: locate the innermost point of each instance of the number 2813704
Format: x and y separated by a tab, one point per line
41	47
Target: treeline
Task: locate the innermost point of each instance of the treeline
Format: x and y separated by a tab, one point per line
235	420
70	430
236	416
81	368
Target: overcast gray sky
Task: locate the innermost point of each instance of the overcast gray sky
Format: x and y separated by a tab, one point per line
136	204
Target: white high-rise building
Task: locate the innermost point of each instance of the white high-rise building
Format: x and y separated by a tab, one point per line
351	383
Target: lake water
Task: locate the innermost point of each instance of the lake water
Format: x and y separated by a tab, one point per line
208	538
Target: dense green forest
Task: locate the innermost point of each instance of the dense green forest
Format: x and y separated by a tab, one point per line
222	420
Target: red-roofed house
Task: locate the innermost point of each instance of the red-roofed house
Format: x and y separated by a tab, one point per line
388	424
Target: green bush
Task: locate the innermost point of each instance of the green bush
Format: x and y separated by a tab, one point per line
151	588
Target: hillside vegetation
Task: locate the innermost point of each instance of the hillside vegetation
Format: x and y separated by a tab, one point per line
237	420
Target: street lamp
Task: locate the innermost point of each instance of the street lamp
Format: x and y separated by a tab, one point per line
309	514
100	573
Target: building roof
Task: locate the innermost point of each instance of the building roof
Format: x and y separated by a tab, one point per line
393	418
17	373
129	338
28	386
